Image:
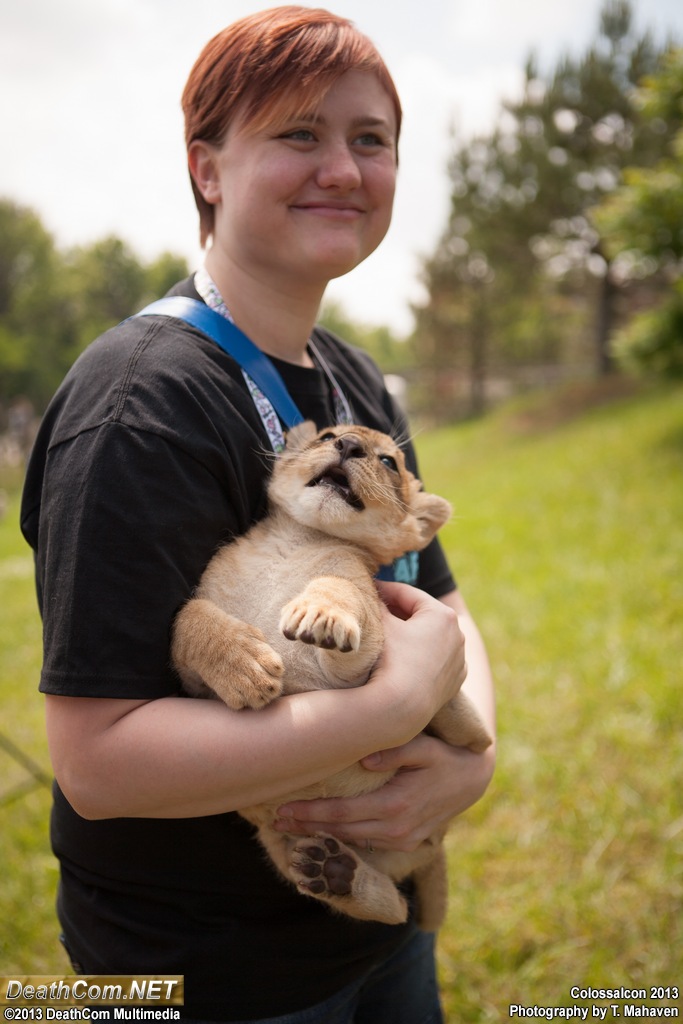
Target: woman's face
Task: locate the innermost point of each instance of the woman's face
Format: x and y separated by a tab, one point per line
310	199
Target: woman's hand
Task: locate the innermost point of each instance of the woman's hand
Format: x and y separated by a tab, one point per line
433	783
423	659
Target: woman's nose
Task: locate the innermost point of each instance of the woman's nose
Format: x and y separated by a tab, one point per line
338	168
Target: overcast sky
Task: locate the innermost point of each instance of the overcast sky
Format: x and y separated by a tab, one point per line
92	133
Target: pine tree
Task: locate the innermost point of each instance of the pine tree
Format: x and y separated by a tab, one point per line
522	274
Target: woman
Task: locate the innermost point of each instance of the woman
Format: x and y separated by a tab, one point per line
154	451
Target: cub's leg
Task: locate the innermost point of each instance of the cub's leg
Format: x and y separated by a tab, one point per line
339	618
459	724
431	891
327	869
215	651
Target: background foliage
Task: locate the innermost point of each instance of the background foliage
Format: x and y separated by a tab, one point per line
642	222
53	303
527	282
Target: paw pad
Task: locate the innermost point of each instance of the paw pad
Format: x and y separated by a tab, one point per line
327	870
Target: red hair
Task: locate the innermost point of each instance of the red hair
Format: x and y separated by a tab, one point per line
263	67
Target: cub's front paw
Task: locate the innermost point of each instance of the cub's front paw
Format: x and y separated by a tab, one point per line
321	624
254	672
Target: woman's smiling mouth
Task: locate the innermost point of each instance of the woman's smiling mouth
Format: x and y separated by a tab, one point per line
331	209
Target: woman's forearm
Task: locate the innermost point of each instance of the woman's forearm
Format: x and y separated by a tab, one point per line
178	757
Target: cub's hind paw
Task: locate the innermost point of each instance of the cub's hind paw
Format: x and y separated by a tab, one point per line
322	868
326	869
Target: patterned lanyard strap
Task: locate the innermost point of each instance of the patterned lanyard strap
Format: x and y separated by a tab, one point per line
342	410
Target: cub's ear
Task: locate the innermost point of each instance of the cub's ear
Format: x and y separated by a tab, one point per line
300	435
430	512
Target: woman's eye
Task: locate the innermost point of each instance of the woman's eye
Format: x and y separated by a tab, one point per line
389	462
299	135
375	140
369	139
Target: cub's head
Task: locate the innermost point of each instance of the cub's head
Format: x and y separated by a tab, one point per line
352	482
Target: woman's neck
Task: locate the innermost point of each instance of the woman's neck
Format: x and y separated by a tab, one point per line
276	320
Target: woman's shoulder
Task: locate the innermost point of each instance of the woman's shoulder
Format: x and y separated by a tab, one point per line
153	373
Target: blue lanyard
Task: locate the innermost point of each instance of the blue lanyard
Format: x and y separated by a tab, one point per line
232	340
264	374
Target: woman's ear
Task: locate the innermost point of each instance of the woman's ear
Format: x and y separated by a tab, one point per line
202	159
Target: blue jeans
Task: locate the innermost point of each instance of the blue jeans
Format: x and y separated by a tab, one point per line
402	990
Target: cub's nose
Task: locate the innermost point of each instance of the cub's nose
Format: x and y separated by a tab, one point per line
349	447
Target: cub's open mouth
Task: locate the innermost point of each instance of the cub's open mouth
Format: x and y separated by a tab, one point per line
336	478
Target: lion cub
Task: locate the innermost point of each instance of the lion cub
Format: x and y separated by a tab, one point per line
341	503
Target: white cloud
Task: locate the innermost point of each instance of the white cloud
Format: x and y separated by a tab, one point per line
500	26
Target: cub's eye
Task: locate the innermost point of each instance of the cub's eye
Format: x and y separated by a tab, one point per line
389	462
329	436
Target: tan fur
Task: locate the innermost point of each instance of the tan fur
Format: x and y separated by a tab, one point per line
338	510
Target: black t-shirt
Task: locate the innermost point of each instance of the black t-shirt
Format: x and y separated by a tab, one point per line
150	456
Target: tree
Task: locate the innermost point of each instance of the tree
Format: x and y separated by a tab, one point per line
30	303
160	275
391	354
577	134
52	304
104	283
643	224
521	273
107	282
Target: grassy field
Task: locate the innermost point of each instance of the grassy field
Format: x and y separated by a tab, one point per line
567	541
28	932
568	544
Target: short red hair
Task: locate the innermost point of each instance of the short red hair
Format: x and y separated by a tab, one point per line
261	68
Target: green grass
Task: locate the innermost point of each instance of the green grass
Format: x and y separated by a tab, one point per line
568	544
28	927
567	541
